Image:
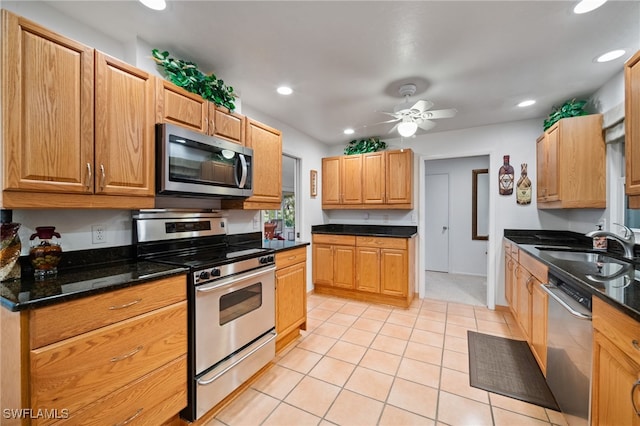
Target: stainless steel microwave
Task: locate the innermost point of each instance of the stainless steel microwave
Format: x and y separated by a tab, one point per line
192	164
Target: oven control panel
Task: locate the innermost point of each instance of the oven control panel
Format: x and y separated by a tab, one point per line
202	276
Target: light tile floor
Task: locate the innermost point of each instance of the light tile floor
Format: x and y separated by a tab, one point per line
365	364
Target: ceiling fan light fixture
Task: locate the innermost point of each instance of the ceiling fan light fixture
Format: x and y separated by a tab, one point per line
407	128
586	6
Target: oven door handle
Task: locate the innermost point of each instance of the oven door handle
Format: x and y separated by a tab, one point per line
272	335
234	279
549	289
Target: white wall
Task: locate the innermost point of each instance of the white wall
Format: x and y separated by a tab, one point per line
466	256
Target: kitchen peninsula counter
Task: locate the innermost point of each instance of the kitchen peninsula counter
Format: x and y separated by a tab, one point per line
625	298
366	230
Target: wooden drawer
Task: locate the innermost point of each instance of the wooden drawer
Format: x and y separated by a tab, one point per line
621	329
151	400
382	242
78	371
291	257
344	240
537	269
57	322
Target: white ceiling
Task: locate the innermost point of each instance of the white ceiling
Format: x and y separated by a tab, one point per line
346	60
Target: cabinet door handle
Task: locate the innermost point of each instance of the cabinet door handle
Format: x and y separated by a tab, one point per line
129	355
633	402
126	305
88	175
102	177
635	344
130	419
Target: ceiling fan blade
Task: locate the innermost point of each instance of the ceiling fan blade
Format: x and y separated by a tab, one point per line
381	122
425	124
394	128
422	105
440	113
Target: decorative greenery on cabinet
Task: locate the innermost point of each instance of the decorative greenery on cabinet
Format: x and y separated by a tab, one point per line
570	108
186	74
364	146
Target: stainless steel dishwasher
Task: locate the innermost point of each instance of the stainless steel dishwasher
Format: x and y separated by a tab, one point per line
569	349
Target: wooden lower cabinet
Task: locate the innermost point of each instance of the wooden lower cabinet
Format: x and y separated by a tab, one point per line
375	269
615	394
527	301
291	295
117	357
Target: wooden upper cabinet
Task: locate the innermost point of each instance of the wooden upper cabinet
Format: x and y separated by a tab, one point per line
266	182
330	181
378	180
632	129
399	178
227	124
47	107
177	106
373	178
572	160
547	154
351	179
124	128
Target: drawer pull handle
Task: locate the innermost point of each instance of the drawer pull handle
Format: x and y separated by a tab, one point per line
129	355
130	419
292	257
635	344
126	305
633	402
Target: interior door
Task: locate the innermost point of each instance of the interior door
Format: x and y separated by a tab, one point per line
437	222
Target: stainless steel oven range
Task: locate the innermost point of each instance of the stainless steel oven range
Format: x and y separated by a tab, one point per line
231	300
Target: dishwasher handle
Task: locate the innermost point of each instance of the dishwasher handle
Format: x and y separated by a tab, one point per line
549	289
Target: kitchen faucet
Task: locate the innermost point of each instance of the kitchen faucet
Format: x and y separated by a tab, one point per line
627	241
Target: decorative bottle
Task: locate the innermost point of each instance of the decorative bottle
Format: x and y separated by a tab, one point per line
505	177
523	191
45	252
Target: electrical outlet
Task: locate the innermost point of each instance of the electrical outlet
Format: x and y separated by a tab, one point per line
603	224
98	234
256	223
385	218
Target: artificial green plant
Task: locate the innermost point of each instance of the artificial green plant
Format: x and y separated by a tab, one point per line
570	108
362	146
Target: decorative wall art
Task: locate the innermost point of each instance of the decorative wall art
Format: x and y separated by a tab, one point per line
523	188
505	177
314	183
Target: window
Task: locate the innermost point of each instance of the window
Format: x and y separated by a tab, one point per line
285	217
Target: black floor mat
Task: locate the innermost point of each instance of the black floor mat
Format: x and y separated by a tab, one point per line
507	367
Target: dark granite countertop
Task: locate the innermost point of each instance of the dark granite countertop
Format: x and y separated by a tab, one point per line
72	284
620	292
283	245
366	230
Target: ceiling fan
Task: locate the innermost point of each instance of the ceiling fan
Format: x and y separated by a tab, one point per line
411	116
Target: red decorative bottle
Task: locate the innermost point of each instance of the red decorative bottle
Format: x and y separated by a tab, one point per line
505	177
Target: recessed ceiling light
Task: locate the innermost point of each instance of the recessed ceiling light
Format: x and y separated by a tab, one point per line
588	5
349	131
526	103
285	90
155	4
610	56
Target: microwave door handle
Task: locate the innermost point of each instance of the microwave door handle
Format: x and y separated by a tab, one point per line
243	165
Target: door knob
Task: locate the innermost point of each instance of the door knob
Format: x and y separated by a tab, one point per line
444	228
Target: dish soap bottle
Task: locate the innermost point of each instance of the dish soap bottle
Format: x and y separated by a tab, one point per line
600	243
